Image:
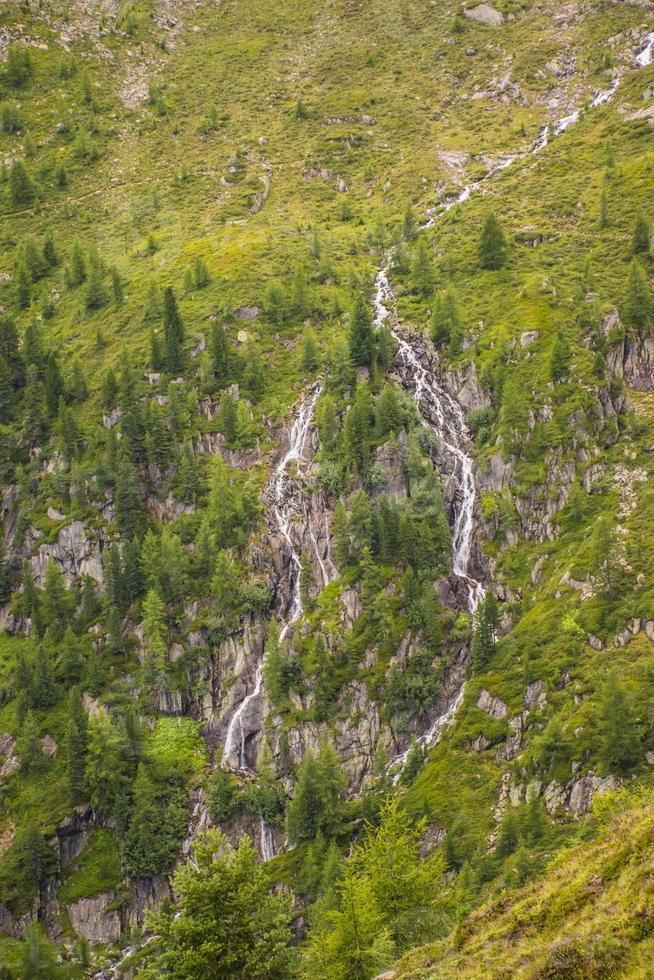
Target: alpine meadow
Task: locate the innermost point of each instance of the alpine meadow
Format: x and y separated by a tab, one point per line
326	526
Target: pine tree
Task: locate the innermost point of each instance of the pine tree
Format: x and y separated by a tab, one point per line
78	390
77	271
201	277
45	691
23	286
19	67
483	639
38	960
274	303
640	239
76	747
28	745
104	770
109	391
638	306
128	500
116	287
620	747
49	250
220	354
309	356
422	268
156	828
318	800
154	628
509	833
228	924
21	186
173	331
96	294
409	225
445	322
361	334
559	357
492	244
55	600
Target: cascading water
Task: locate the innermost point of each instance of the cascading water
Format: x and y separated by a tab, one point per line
643	57
443	414
284	490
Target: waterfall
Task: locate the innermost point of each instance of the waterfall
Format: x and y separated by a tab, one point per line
266	842
284	490
643	57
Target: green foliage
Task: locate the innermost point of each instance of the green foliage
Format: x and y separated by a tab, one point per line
492	247
317	804
228	922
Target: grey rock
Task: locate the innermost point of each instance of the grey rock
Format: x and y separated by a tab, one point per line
483	13
91	917
536	696
528	337
490	705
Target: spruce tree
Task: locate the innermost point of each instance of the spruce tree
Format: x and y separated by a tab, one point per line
229	924
173	332
309	356
422	269
28	745
76	746
227	417
638	306
620	746
361	338
559	357
21	187
492	244
45	691
104	766
640	239
219	353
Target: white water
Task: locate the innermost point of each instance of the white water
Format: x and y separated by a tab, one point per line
443	414
266	840
284	509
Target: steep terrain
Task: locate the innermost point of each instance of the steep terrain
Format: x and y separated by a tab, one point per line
325	440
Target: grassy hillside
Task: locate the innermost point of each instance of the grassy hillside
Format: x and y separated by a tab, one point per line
263	162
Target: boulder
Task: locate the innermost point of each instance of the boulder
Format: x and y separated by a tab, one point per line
483	13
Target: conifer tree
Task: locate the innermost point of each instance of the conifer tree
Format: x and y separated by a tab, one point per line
173	332
620	747
154	628
28	745
45	692
109	392
422	268
640	239
361	334
229	924
559	357
21	186
104	769
409	225
76	746
49	250
23	286
492	244
78	390
117	287
309	356
317	803
77	270
219	352
483	638
638	306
